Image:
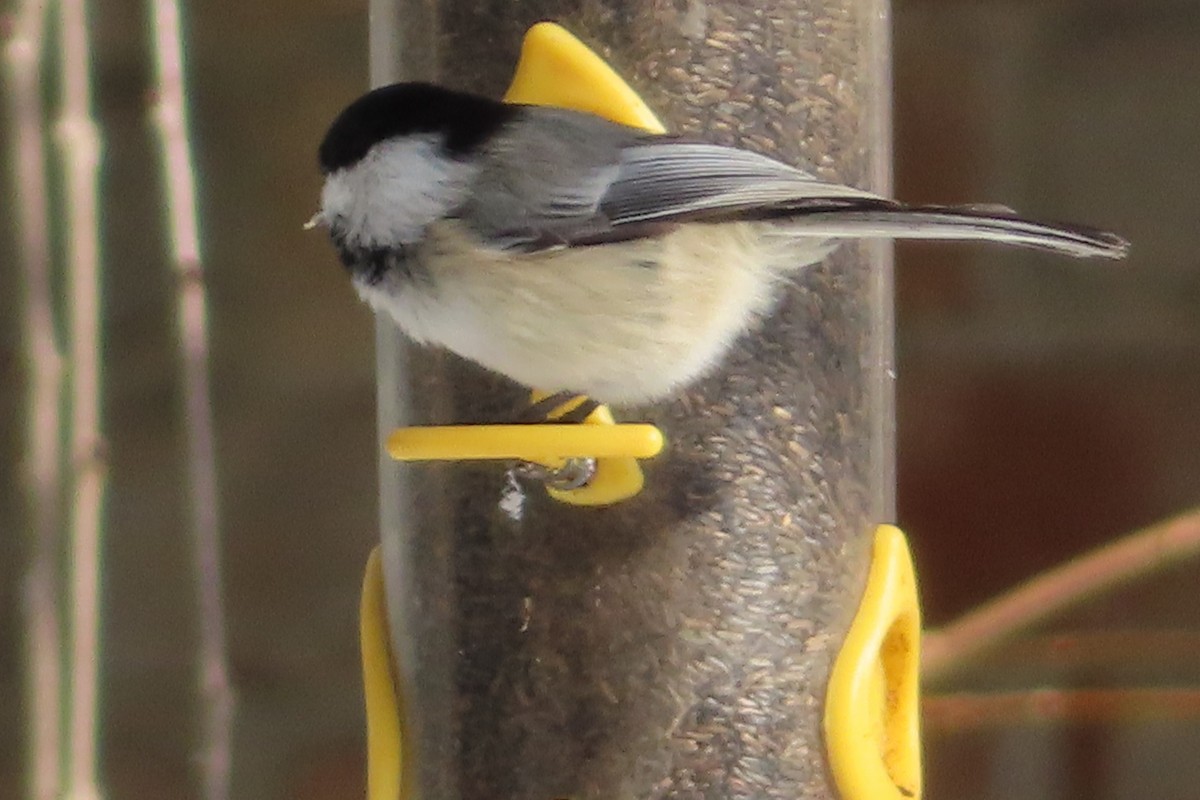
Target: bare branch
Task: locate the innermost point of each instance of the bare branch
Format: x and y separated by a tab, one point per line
954	713
216	693
1109	650
80	145
23	54
1050	593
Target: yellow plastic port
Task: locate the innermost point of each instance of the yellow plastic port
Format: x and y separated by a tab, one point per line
872	727
556	69
614	447
549	445
384	741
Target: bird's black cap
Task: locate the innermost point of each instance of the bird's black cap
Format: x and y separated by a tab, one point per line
464	120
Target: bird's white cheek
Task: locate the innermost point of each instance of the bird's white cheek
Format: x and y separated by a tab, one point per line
336	196
397	190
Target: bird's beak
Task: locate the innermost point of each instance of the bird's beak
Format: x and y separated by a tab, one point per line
316	220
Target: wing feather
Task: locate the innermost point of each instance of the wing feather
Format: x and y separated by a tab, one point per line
561	178
667	179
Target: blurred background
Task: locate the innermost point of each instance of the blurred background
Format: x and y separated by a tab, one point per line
1044	407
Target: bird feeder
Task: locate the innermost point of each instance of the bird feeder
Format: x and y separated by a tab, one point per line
736	625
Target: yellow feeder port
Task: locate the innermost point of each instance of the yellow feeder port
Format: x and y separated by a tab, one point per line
617	475
556	69
872	727
384	750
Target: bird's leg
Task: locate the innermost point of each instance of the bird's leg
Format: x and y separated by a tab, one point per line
540	411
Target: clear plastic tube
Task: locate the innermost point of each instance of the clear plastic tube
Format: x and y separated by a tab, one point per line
676	645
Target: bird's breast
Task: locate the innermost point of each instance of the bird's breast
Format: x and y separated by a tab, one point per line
624	322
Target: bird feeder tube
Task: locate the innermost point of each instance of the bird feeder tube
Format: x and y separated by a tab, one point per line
677	644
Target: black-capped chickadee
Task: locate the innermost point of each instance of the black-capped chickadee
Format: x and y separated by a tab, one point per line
572	253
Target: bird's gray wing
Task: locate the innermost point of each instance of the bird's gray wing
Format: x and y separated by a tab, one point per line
665	179
565	179
559	178
543	178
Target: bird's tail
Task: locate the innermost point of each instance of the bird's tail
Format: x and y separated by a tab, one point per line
985	223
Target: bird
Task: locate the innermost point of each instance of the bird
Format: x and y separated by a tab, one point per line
575	254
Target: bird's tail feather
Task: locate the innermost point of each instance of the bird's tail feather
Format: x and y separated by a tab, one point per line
956	222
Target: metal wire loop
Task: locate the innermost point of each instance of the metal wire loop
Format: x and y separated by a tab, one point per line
574	474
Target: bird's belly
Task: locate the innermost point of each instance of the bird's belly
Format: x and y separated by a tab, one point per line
627	322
